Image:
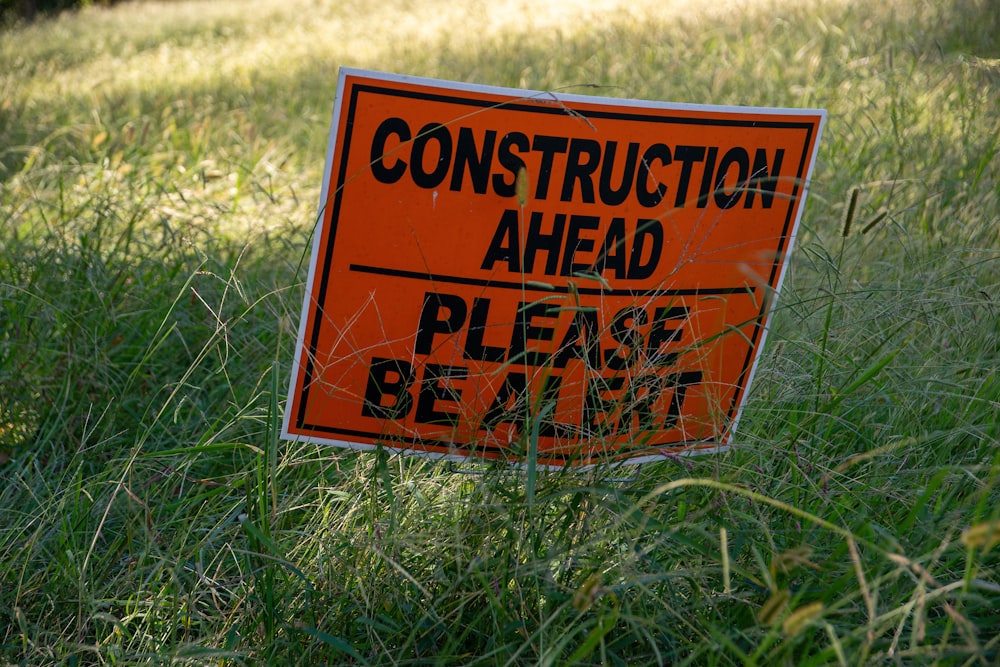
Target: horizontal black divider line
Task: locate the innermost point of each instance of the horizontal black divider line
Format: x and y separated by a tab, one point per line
534	286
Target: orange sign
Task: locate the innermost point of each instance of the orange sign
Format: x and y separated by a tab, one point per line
497	271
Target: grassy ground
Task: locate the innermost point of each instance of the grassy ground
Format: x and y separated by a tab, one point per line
159	172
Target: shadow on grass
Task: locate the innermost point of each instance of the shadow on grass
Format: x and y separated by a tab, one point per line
970	27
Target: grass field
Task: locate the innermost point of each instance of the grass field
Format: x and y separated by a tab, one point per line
160	165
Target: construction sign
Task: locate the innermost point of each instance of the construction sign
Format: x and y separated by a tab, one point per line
503	273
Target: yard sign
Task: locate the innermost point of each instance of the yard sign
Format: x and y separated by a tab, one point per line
496	267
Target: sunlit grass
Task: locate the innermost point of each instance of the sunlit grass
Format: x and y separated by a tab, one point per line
159	176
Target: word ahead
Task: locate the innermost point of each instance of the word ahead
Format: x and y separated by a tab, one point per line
499	272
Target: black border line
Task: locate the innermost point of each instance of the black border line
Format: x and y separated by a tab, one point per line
549	105
758	330
390	441
317	317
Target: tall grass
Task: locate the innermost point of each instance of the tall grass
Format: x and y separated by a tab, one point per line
159	172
